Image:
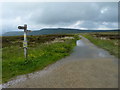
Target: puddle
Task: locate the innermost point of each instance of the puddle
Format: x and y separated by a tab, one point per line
80	43
85	49
101	54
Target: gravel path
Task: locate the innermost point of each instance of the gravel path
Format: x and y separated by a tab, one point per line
87	67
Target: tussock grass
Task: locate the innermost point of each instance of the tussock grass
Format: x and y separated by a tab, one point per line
40	54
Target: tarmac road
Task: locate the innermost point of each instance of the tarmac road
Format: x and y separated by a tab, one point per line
87	67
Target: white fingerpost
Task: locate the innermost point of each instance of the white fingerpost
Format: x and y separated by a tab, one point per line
25	38
25	41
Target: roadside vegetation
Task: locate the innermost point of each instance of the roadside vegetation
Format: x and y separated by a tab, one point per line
42	51
108	41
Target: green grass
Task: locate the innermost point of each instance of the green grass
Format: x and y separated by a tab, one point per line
108	45
40	55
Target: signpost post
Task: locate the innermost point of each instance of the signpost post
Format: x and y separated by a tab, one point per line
25	38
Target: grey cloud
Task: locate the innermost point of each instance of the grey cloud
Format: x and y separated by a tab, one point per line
89	24
110	14
70	12
66	12
95	25
60	14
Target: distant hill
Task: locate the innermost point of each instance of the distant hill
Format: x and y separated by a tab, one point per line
47	31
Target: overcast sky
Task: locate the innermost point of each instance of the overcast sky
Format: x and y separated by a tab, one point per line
87	15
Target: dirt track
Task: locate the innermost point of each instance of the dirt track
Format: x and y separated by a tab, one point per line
87	67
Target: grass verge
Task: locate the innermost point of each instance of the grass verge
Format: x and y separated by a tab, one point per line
39	56
109	45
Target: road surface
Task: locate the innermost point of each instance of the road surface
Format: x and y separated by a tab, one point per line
87	67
